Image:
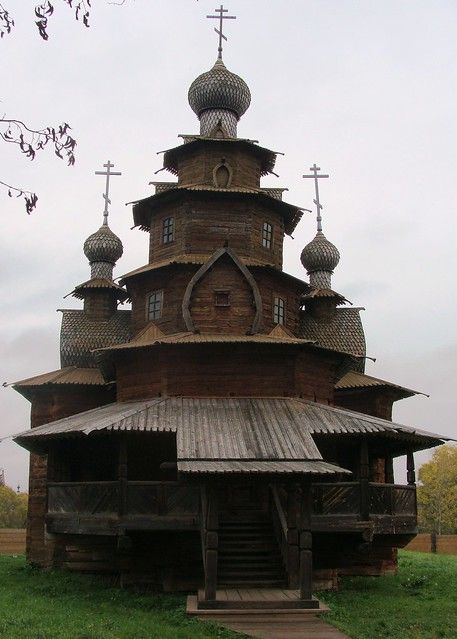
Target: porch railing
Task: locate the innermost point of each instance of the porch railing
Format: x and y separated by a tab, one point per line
141	498
344	499
102	498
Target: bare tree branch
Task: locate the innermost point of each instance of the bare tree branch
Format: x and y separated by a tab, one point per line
6	21
30	198
32	140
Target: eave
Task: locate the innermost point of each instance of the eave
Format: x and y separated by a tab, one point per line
143	209
172	156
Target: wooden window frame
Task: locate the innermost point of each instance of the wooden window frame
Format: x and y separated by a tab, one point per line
279	310
222	291
159	294
267	235
168	230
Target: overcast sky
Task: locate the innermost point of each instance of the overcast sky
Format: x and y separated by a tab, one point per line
366	89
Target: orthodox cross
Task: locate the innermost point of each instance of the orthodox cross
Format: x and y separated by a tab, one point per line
221	17
108	174
315	176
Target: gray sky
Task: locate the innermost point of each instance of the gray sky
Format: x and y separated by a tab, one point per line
366	89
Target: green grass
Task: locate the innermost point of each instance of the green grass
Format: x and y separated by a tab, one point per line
61	605
418	603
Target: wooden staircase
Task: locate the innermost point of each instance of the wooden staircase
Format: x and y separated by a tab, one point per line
249	554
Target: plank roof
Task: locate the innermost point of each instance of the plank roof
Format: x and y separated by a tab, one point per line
354	380
228	429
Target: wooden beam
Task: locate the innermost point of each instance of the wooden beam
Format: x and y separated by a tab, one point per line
364	480
410	467
122	476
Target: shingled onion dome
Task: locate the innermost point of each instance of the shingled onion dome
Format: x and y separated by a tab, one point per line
103	249
320	258
219	98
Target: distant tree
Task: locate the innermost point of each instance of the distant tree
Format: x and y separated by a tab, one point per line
437	492
30	139
13	508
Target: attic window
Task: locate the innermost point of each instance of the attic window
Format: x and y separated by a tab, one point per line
168	230
221	298
267	235
155	304
278	310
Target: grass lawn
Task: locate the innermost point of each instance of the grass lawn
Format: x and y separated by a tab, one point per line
419	603
62	605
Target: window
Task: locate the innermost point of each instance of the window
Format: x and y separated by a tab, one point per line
168	230
222	298
155	304
278	310
267	235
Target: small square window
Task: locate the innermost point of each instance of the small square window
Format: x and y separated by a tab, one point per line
267	235
278	310
222	298
168	230
155	304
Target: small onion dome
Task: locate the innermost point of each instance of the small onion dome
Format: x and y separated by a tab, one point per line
219	89
320	255
103	246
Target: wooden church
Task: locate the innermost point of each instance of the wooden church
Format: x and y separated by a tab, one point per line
221	434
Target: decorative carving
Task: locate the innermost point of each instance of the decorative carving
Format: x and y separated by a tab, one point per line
256	325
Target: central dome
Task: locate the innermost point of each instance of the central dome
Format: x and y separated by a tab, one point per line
219	89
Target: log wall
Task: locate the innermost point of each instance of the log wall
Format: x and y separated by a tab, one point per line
224	370
202	225
197	167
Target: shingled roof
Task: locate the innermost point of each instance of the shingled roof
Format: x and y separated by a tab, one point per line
80	335
343	333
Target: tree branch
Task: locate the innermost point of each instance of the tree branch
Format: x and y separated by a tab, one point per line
6	21
30	198
30	141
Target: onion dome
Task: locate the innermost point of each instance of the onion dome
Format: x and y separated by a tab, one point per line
320	255
103	246
219	91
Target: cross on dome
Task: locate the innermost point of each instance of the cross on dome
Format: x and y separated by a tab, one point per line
316	176
108	173
221	17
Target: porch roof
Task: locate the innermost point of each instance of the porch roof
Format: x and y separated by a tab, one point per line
253	432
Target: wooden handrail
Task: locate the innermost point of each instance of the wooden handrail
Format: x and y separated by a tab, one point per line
70	484
279	511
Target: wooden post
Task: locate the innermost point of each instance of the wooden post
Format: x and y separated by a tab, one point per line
122	477
293	536
364	481
390	470
211	545
411	472
306	542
